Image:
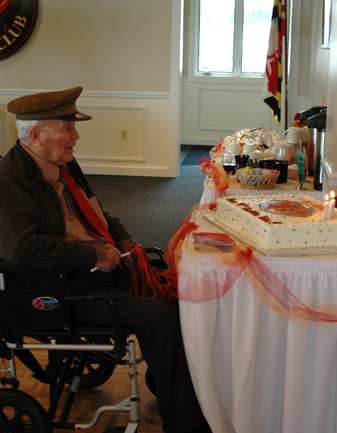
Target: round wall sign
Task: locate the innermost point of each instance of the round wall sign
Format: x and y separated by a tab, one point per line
17	21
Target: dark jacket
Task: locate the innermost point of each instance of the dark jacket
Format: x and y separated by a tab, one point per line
32	224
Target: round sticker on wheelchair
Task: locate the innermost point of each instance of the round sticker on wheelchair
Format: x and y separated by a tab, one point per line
45	303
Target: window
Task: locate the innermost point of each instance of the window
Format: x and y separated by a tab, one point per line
230	37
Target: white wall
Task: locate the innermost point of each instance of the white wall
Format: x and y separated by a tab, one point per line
211	111
331	133
214	111
313	75
120	52
125	53
317	79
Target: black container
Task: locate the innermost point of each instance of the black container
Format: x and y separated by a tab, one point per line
312	111
241	165
241	161
275	164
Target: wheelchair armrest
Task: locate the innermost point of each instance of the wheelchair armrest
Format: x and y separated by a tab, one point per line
18	270
104	297
159	262
7	267
118	334
154	250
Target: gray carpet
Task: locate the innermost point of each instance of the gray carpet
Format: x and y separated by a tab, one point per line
151	208
194	153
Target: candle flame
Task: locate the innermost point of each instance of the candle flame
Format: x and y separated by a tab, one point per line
332	194
326	197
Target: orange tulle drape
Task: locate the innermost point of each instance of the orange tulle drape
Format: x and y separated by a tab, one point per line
267	286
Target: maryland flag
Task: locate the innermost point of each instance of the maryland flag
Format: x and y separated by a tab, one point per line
274	65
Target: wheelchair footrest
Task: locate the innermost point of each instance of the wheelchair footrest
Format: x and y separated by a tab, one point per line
130	404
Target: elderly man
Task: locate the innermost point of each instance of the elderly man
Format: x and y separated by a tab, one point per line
42	219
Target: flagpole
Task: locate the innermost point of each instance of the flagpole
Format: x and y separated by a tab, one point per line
286	69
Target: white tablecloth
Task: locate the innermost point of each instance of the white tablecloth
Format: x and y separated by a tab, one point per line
211	194
254	370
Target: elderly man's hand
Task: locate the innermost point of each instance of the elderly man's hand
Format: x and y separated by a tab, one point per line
125	246
108	257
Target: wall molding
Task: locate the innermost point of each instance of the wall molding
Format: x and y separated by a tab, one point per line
225	90
16	93
218	90
128	159
110	159
176	69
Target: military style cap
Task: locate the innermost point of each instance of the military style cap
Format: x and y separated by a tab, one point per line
59	105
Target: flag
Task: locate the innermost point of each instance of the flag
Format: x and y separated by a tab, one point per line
274	64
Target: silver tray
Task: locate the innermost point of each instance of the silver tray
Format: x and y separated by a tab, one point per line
297	252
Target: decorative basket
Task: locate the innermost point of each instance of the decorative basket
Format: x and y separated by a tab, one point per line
266	180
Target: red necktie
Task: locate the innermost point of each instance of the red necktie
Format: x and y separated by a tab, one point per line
84	211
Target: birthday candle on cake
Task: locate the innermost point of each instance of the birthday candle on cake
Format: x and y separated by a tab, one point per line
332	203
325	212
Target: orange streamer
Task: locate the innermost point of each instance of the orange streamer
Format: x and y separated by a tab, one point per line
147	281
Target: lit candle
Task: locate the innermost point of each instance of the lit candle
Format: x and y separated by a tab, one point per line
325	212
331	204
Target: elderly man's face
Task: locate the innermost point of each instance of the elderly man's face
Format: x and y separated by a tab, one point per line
56	141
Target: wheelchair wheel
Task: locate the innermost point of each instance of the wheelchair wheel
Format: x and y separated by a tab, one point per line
21	412
97	371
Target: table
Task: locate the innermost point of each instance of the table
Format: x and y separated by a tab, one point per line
210	194
254	370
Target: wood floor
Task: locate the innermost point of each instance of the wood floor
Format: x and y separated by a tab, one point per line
88	401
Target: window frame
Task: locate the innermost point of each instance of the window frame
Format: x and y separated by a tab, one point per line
193	51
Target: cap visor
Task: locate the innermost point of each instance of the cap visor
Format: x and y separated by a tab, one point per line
75	117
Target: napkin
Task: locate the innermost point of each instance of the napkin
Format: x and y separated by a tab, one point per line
218	240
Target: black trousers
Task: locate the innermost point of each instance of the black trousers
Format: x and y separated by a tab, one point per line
157	328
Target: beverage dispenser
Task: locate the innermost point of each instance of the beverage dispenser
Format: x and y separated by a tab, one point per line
317	124
304	116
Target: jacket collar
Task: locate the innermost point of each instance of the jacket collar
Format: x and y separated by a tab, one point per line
26	162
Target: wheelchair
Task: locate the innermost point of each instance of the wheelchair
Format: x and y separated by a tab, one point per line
40	319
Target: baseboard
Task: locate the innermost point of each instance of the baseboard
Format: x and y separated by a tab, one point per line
199	141
125	171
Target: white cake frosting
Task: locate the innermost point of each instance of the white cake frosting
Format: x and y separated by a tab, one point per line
274	221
